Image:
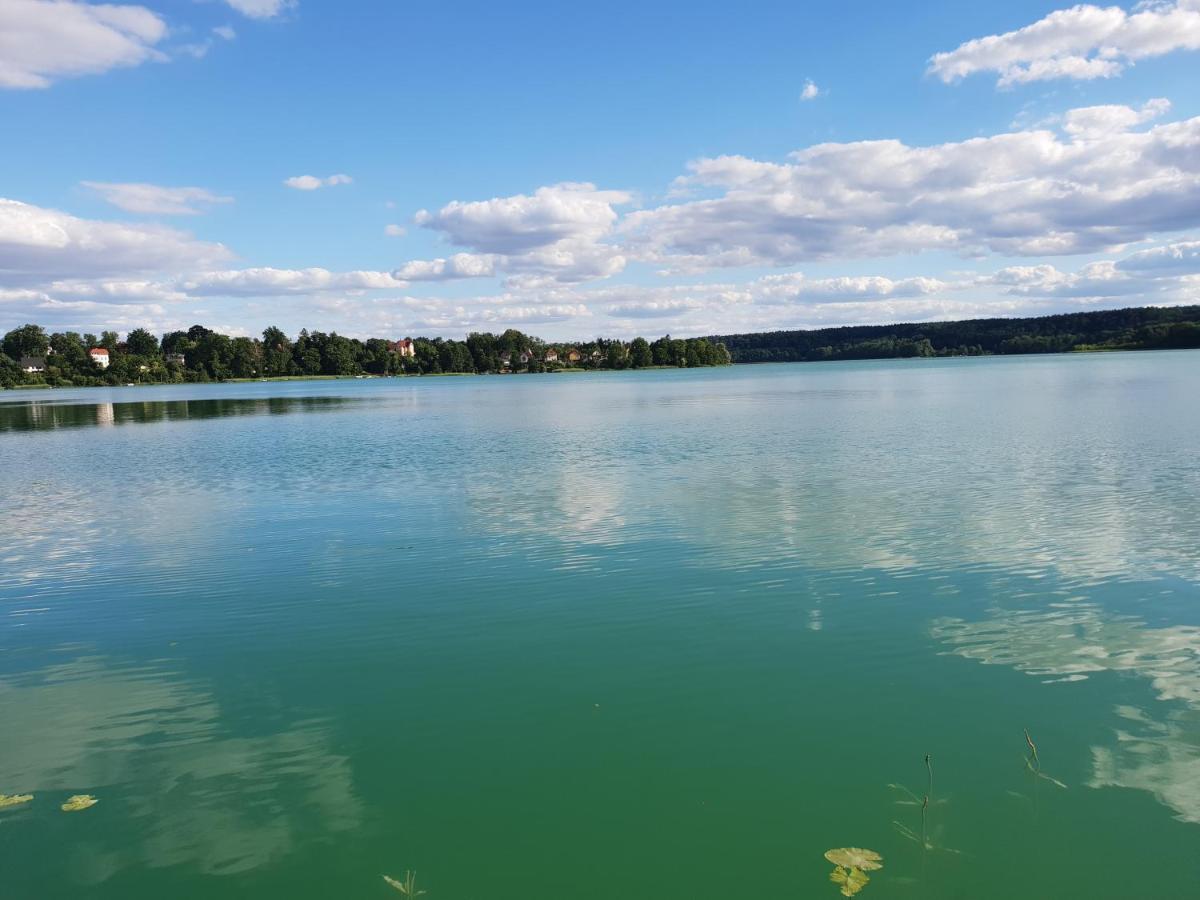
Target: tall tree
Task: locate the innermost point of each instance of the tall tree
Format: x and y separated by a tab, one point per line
141	342
28	340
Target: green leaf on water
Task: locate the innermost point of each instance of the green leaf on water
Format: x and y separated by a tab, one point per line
850	880
855	858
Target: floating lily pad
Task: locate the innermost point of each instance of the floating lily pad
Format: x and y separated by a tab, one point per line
850	880
14	800
855	858
78	802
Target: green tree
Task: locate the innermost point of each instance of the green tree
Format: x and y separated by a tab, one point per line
640	354
28	340
141	342
276	353
245	358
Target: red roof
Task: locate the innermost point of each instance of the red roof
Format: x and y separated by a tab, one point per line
98	351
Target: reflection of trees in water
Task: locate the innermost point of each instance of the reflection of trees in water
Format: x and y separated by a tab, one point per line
42	415
1159	752
156	746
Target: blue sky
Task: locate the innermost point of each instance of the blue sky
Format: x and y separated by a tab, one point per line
575	170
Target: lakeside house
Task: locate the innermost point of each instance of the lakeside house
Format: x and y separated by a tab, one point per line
597	356
33	364
551	355
525	357
176	359
99	356
572	355
404	347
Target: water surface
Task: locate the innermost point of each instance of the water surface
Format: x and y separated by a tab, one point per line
649	635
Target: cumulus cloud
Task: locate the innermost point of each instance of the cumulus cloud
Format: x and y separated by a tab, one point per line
1029	193
156	200
795	287
509	225
261	9
1098	121
1083	42
558	234
460	265
270	282
1181	258
42	41
312	182
810	91
37	242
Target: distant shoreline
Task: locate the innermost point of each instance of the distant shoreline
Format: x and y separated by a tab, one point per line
297	378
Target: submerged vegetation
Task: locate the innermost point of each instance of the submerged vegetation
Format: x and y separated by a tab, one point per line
1148	328
408	887
29	356
1033	764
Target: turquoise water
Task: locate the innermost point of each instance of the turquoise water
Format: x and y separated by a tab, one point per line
639	635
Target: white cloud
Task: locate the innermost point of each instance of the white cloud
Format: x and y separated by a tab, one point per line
460	265
795	287
37	242
1029	193
42	41
1182	258
270	282
395	230
1082	42
1092	122
311	182
155	200
559	233
810	91
261	9
510	225
225	32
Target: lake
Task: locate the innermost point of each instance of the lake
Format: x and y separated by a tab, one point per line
642	635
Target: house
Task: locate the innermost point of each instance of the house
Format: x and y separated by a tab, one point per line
505	358
597	356
551	355
572	356
99	356
32	364
405	347
176	359
525	357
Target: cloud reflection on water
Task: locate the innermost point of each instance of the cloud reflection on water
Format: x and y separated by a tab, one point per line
144	739
1080	640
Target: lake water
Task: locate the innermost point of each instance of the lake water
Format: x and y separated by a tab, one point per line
641	635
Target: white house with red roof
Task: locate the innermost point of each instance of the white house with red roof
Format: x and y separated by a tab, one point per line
99	356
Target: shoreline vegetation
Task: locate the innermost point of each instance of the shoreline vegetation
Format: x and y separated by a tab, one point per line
1136	328
30	357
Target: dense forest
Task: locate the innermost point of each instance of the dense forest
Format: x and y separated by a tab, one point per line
1147	328
29	356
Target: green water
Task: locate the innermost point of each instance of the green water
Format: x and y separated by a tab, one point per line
646	635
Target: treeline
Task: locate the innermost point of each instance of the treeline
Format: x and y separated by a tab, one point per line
30	356
1142	328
